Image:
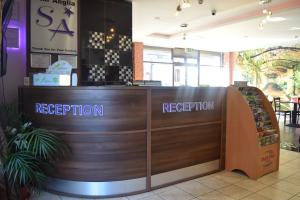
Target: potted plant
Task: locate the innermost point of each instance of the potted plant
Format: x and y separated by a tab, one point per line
27	153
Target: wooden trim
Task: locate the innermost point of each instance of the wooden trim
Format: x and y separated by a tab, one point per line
186	126
149	149
97	133
78	70
28	35
223	134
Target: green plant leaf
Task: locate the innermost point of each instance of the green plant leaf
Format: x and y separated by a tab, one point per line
22	168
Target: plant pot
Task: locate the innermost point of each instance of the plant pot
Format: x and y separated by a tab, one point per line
24	193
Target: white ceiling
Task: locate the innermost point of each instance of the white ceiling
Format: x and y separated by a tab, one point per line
235	26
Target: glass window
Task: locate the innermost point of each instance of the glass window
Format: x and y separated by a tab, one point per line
211	65
192	76
163	73
211	58
192	61
158	55
206	74
147	71
185	67
179	76
178	60
159	72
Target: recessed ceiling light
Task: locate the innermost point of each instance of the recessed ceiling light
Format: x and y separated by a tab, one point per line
261	2
184	25
294	28
276	19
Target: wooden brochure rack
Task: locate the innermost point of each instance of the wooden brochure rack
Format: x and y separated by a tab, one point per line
252	135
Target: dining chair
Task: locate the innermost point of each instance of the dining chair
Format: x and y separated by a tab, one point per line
298	111
279	111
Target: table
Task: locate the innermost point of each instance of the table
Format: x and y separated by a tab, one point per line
295	101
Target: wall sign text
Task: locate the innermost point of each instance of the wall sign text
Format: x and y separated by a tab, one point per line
65	109
188	106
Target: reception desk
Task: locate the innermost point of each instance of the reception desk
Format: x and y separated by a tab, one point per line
128	140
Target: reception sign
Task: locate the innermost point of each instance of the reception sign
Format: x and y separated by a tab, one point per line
54	26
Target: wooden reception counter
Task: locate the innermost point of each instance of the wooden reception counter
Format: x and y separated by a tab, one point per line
128	140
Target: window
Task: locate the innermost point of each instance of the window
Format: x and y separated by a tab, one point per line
212	71
158	55
185	67
159	72
192	76
158	66
179	76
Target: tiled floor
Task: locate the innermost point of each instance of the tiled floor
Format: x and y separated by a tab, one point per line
290	137
281	185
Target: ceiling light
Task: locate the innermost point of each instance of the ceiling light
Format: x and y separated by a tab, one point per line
276	19
184	25
294	28
186	3
179	8
184	36
182	4
267	13
261	2
261	26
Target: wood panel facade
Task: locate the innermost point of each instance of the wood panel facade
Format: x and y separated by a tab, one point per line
143	131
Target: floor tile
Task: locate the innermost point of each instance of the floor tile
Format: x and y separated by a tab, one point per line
213	182
45	196
251	185
295	198
294	179
235	192
164	189
215	195
194	188
255	197
287	187
295	162
231	177
176	194
156	197
268	180
274	194
141	196
284	171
